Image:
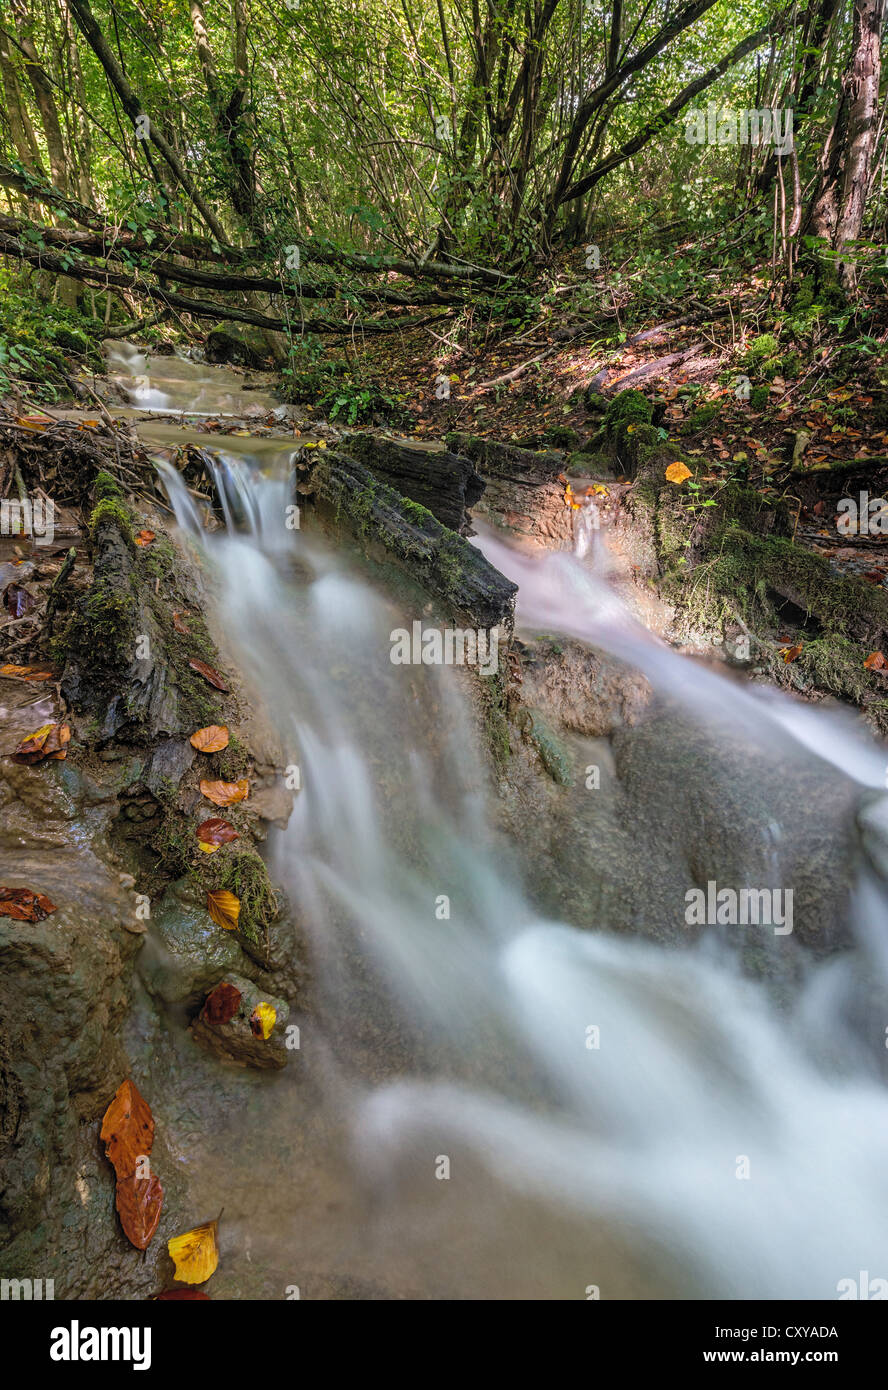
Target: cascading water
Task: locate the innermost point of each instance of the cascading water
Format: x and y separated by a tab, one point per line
530	1109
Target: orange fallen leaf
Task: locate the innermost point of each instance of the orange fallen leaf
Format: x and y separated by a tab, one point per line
226	793
677	472
224	908
180	625
34	422
875	661
139	1202
195	1253
791	653
212	739
26	673
49	741
24	905
144	537
210	674
127	1130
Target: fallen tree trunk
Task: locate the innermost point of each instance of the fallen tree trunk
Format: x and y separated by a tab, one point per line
441	562
444	483
199	308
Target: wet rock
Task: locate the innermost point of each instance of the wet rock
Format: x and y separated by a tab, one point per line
237	1040
231	345
522	489
186	953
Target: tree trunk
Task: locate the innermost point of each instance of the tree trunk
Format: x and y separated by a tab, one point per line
837	212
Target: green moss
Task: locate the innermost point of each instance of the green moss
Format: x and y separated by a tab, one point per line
701	418
234	761
102	628
106	485
553	754
110	509
765	345
759	397
245	875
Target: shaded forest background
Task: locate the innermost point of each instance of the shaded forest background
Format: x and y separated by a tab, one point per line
327	174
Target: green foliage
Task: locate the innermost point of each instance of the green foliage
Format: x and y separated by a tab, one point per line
40	341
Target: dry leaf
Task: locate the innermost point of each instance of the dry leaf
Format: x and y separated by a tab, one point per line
791	653
195	1254
23	905
180	625
210	674
221	1004
49	741
26	673
677	472
212	739
214	832
225	793
875	661
144	537
139	1202
127	1130
224	908
262	1020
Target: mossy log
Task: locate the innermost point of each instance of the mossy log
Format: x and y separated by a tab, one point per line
446	484
440	560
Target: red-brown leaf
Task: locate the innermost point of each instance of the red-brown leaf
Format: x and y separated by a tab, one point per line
210	674
215	831
139	1202
221	1004
127	1129
23	905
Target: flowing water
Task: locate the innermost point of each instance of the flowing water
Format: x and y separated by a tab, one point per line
503	1105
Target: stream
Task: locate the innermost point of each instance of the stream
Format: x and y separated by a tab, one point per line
496	1103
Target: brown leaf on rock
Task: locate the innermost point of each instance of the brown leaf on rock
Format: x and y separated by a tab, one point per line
224	908
144	537
209	673
49	741
139	1202
180	624
225	793
214	832
24	905
212	739
791	653
127	1130
221	1004
875	661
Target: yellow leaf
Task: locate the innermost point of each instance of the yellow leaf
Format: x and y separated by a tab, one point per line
262	1020
207	849
677	472
195	1253
224	908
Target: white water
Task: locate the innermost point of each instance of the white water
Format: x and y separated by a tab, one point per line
466	1038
